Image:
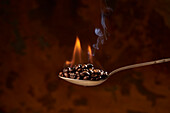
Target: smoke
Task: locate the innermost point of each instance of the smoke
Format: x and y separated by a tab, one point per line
102	33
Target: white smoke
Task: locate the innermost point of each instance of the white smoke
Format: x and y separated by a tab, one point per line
102	34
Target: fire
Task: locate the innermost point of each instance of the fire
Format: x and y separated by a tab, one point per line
90	54
76	53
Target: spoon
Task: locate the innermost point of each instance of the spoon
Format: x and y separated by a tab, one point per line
95	83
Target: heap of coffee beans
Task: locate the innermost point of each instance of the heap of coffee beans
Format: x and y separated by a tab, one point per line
83	72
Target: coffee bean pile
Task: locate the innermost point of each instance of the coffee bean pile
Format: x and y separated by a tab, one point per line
83	72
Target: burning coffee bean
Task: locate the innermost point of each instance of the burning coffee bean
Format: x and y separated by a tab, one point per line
83	72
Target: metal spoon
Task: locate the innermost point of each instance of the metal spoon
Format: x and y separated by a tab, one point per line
95	83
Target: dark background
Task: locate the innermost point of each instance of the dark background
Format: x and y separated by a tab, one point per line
38	36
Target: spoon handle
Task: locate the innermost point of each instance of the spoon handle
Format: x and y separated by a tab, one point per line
139	65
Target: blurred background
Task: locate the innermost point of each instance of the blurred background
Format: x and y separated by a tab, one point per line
38	36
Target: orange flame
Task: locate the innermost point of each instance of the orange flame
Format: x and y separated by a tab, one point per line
76	53
90	54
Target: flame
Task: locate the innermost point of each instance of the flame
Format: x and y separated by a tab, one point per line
76	53
90	54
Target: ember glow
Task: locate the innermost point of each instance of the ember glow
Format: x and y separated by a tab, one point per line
76	53
90	54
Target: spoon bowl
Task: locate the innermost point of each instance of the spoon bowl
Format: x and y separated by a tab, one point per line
83	82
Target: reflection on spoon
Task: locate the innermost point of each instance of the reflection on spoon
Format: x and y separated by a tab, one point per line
95	83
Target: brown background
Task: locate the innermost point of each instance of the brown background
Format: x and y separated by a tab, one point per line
38	36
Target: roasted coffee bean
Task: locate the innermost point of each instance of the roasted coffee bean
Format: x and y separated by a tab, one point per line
71	69
79	69
91	71
93	78
86	78
102	72
84	72
98	78
97	71
85	69
79	66
94	75
77	72
61	74
105	73
66	75
65	70
76	67
90	66
80	78
84	66
73	75
103	76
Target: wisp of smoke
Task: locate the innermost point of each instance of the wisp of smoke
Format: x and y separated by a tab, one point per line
102	34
